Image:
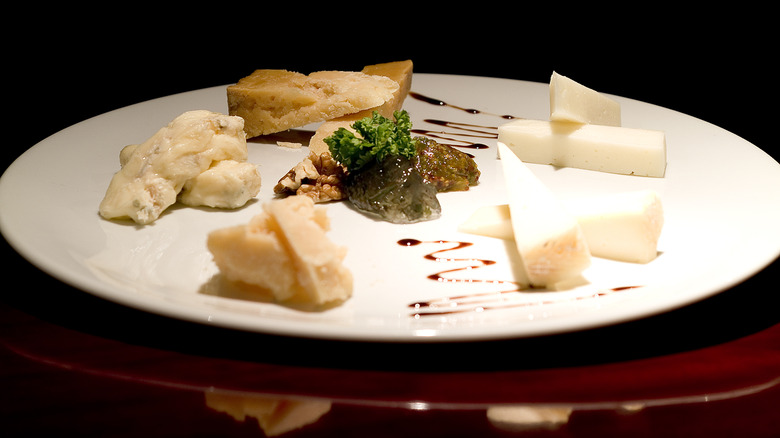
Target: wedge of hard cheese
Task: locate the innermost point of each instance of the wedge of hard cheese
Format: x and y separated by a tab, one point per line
401	73
272	101
549	240
613	149
571	101
398	71
622	226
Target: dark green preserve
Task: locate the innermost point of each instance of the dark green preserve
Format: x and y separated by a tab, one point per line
393	190
447	168
403	190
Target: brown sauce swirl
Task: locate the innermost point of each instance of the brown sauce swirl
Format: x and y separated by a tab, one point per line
478	302
438	102
457	129
481	301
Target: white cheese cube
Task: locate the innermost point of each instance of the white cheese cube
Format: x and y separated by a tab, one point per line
613	149
548	238
623	226
573	102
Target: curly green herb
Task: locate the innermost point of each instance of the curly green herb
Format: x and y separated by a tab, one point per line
379	138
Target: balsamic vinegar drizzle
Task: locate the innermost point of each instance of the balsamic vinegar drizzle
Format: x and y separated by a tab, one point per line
457	245
438	102
478	302
461	129
469	132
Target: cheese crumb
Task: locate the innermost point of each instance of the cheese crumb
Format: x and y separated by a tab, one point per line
289	144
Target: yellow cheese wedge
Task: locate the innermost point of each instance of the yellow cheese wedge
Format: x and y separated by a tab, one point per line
400	72
548	238
622	226
272	101
572	102
613	149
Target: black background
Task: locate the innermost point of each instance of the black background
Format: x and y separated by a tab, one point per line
64	66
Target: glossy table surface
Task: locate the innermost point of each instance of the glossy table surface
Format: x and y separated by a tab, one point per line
72	364
83	365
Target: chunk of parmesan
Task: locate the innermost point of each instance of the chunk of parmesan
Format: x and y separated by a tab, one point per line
285	250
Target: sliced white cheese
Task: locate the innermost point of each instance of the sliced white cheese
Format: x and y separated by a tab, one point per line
613	149
623	226
572	102
548	238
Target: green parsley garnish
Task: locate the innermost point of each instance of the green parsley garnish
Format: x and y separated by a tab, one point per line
379	138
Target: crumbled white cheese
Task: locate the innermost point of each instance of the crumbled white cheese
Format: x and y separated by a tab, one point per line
154	172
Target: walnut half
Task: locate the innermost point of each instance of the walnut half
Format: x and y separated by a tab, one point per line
319	177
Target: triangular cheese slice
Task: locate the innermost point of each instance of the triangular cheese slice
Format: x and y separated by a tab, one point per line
548	238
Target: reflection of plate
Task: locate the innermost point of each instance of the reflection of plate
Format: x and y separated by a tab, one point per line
720	196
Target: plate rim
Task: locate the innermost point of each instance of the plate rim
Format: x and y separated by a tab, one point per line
203	317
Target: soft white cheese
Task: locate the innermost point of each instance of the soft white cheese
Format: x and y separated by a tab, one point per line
572	102
548	238
622	226
613	149
154	172
226	184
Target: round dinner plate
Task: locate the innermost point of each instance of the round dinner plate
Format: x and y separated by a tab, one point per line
720	197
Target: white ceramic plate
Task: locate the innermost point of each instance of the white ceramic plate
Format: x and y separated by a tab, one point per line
720	194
